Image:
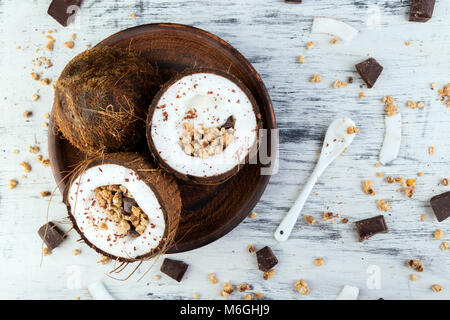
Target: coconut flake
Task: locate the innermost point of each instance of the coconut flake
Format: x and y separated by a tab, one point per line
99	292
392	138
348	293
334	27
89	216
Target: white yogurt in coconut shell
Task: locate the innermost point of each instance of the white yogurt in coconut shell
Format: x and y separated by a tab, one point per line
206	100
155	193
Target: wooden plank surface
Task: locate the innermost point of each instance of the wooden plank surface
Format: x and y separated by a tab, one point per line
271	34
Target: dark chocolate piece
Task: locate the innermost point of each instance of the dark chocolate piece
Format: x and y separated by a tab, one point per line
266	259
128	203
421	10
369	70
51	235
174	268
62	10
369	227
441	206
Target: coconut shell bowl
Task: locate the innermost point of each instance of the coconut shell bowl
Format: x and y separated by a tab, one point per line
208	211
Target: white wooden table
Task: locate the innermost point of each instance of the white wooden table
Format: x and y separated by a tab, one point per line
271	34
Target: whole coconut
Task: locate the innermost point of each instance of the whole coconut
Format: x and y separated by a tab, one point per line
102	97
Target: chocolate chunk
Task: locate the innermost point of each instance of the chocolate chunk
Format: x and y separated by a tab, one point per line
441	206
51	235
229	123
174	268
421	10
369	227
62	10
266	259
369	70
128	203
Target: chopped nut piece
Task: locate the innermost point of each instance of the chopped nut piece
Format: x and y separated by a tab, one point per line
34	149
12	184
243	287
367	188
212	278
76	252
34	76
302	287
46	251
26	166
438	234
383	205
431	150
416	265
339	84
310	45
414	277
45	163
301	59
310	220
45	193
69	44
27	114
252	215
437	288
268	274
227	290
334	40
444	245
103	260
318	262
352	130
316	78
45	81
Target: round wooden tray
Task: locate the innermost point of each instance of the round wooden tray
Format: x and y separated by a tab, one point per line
209	212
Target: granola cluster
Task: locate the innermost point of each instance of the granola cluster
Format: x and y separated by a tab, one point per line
389	106
445	94
111	200
205	142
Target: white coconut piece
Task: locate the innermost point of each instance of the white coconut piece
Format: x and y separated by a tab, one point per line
348	293
392	138
89	216
213	98
334	27
98	291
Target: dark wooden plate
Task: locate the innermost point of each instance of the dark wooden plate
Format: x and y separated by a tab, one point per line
209	212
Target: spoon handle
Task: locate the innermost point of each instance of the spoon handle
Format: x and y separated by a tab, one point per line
285	228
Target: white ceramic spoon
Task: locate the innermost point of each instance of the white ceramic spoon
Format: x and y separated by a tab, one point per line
336	140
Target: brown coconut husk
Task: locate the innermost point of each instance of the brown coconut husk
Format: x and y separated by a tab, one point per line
101	99
216	179
163	185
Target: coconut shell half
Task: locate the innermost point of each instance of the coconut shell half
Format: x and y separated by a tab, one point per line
102	97
155	192
212	99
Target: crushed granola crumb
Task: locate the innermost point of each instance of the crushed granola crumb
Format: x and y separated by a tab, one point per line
422	217
27	114
414	277
416	265
45	81
252	215
34	149
248	296
268	274
212	278
445	182
45	163
444	245
35	76
431	150
103	260
35	97
132	15
310	45
407	43
318	262
26	166
258	295
251	248
243	287
327	216
334	40
352	130
383	205
76	252
301	59
310	220
46	251
339	84
437	288
316	78
45	193
50	43
156	277
380	174
12	183
361	95
389	106
438	234
69	44
367	187
195	296
420	174
302	287
227	290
